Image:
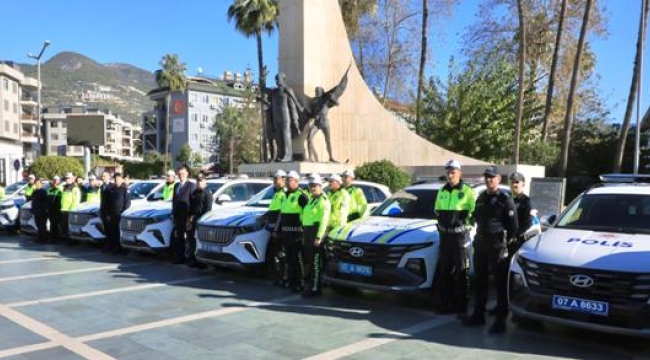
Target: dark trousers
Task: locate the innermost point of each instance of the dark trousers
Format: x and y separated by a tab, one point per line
41	226
292	243
190	242
491	256
112	226
452	272
313	260
65	229
180	236
278	260
55	225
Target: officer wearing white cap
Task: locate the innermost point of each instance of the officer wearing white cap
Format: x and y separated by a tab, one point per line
92	192
168	189
358	202
315	218
70	199
29	189
270	219
340	201
290	229
454	208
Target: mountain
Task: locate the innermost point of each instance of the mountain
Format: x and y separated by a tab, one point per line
72	79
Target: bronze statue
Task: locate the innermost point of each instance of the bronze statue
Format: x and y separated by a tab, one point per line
285	109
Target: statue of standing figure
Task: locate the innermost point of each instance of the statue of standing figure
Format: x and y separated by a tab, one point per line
285	110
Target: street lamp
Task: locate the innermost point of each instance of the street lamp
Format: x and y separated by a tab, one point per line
38	77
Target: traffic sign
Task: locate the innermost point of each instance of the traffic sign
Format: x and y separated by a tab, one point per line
17	164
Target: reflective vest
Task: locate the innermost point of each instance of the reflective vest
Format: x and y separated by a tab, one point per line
317	212
29	190
93	195
2	192
278	198
291	211
70	198
358	203
454	207
340	200
168	191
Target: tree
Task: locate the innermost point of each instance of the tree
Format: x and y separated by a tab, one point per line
568	119
554	64
522	80
251	18
172	77
636	74
423	62
384	172
51	166
237	135
353	11
185	154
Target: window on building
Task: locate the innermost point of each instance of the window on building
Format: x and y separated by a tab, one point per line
15	87
7	126
15	108
195	137
206	99
5	84
195	117
6	105
15	128
54	124
205	118
55	136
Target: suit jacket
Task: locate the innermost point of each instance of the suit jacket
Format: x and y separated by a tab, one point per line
182	198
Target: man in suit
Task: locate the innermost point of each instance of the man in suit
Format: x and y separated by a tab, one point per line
118	200
103	206
181	213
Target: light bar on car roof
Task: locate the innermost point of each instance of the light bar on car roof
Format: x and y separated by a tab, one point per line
625	178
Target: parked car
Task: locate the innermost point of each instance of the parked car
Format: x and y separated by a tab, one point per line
10	205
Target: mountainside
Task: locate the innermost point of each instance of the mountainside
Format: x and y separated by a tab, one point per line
74	79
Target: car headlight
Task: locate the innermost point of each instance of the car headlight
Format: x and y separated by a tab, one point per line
158	218
249	228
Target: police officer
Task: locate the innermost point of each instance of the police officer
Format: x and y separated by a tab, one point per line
117	201
168	189
200	203
315	218
496	221
522	203
290	229
358	202
182	192
29	189
54	209
40	209
270	219
70	199
454	207
103	205
2	192
92	192
340	203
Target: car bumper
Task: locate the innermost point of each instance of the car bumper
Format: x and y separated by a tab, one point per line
393	279
153	238
92	231
9	219
244	251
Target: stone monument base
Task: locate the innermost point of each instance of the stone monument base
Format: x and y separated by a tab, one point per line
302	167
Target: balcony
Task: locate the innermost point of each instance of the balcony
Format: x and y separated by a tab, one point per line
28	119
29	101
28	137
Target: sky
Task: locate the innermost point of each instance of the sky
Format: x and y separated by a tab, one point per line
141	32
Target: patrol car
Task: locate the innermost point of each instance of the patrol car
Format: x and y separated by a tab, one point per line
149	228
395	248
84	222
10	205
590	268
236	238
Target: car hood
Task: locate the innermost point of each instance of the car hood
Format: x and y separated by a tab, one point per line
384	230
87	209
17	200
590	249
238	216
151	209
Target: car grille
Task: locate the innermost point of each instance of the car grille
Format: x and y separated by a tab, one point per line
79	218
215	234
613	287
135	225
377	255
25	215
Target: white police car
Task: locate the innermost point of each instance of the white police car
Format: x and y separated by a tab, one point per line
235	237
149	227
590	268
10	205
84	222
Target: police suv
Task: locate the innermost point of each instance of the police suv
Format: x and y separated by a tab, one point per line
149	228
236	238
590	269
10	205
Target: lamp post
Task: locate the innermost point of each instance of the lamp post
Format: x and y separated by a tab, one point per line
38	78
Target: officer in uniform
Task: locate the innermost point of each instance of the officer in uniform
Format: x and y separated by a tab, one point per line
358	202
270	219
454	207
31	186
70	199
496	223
92	192
40	209
103	205
524	208
117	200
168	189
2	192
290	229
54	209
200	203
340	201
182	192
315	217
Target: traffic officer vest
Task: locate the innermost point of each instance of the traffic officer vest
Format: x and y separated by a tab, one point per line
317	212
340	201
29	190
168	191
2	192
291	212
93	195
358	203
455	207
70	198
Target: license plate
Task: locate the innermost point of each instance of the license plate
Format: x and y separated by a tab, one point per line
212	248
600	308
130	238
355	269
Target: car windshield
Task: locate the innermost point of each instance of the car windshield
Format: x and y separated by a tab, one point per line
626	213
140	190
213	187
13	188
413	204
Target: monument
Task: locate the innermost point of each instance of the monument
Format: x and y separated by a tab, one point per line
314	54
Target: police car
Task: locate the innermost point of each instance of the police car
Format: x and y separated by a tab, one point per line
84	222
590	268
10	205
236	238
395	248
148	228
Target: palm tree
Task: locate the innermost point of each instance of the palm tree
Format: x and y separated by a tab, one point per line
353	11
172	77
423	62
251	18
522	83
551	77
620	143
568	119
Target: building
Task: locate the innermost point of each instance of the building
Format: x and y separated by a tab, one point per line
193	115
18	121
122	139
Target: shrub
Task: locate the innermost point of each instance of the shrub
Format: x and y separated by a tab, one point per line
50	166
384	172
142	170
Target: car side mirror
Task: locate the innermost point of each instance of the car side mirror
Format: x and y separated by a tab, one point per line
547	221
223	198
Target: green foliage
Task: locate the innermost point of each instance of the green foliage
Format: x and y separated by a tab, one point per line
592	148
254	16
384	172
237	131
142	170
50	166
185	155
540	153
172	73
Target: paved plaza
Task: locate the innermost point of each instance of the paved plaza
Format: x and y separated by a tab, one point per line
61	302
